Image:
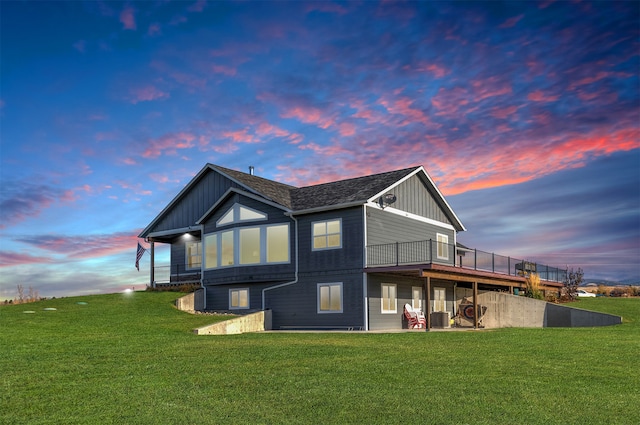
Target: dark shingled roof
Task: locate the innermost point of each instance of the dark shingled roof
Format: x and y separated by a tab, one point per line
358	189
279	193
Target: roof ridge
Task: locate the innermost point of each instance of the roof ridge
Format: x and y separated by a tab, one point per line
369	176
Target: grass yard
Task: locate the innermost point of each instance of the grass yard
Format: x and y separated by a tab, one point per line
132	359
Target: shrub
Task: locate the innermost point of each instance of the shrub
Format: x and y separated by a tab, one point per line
533	287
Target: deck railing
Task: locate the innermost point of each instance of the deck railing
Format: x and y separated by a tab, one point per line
434	252
176	274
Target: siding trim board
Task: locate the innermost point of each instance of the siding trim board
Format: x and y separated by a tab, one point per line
412	216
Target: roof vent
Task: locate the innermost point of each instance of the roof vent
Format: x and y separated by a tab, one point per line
251	169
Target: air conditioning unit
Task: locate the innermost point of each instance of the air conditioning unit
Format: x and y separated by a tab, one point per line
440	319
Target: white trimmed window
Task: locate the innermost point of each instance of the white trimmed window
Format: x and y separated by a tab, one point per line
443	246
389	300
239	213
238	298
211	251
330	298
247	246
416	297
327	234
193	252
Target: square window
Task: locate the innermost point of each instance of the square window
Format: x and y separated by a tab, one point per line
327	234
238	298
330	298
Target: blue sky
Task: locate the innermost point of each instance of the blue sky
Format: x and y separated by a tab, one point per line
526	115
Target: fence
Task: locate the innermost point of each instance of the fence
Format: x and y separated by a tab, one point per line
434	252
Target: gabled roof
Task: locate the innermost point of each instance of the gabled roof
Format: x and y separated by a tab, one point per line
356	190
338	194
269	189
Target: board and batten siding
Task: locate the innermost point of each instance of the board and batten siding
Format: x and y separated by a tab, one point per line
296	305
193	204
414	197
348	257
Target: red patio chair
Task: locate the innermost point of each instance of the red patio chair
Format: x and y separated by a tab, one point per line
415	318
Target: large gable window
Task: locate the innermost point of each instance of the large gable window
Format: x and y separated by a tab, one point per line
238	214
246	246
327	234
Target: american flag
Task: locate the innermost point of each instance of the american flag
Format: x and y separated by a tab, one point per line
139	254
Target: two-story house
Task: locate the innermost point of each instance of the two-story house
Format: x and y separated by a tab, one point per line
346	254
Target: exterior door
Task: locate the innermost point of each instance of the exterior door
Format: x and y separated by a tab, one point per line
439	299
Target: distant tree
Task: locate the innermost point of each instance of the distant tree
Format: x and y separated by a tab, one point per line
33	295
572	281
20	298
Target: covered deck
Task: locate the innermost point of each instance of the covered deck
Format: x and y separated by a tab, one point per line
468	268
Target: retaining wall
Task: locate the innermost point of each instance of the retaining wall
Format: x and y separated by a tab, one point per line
505	311
191	302
254	322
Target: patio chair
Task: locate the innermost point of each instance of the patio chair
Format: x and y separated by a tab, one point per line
415	318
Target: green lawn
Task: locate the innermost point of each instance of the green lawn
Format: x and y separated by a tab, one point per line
132	359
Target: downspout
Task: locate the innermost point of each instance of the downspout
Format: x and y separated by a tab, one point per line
295	280
365	279
204	290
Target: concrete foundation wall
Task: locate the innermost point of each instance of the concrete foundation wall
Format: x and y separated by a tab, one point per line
254	322
505	311
191	302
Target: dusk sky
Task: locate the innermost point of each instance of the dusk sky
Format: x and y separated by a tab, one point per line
525	114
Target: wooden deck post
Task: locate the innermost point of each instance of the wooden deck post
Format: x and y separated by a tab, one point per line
428	301
475	305
152	278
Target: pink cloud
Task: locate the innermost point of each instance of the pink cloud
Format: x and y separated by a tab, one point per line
511	22
127	18
404	107
225	70
489	87
309	115
540	96
81	248
521	162
169	144
503	113
438	71
8	259
266	129
135	188
240	136
146	94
